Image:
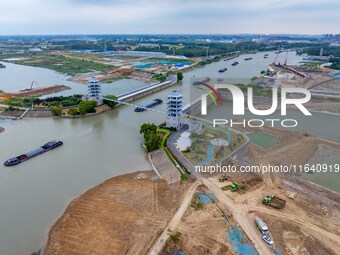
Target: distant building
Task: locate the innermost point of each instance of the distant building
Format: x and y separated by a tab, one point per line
150	45
94	91
35	50
173	77
174	110
145	54
318	58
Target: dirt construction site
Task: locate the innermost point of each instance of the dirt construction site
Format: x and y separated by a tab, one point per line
123	215
139	213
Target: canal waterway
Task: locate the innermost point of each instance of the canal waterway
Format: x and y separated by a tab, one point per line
35	193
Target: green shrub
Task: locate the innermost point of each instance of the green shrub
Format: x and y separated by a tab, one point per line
110	103
197	203
175	237
180	76
73	111
87	107
56	111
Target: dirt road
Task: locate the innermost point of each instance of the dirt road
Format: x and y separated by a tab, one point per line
160	243
239	212
236	209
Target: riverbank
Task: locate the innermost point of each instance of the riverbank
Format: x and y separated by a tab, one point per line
122	215
35	92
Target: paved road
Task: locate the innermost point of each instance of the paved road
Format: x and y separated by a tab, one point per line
7	106
172	147
160	242
239	211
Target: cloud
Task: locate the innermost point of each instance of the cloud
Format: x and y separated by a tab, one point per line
176	16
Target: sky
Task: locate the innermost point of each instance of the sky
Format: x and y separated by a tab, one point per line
169	16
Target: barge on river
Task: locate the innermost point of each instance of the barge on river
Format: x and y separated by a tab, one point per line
149	105
45	148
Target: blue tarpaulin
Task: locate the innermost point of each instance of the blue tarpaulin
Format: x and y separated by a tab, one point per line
207	198
236	239
277	252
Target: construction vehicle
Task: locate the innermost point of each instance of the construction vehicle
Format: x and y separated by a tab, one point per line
235	186
264	230
31	86
274	201
223	178
261	226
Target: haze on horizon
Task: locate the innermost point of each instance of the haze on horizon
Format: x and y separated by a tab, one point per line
28	17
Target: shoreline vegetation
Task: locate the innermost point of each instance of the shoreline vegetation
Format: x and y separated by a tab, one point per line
58	106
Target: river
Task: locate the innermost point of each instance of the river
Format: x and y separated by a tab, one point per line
34	194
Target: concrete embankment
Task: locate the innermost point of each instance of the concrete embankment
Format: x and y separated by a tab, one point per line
142	92
164	167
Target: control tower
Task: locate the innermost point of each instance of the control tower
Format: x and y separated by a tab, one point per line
94	91
174	110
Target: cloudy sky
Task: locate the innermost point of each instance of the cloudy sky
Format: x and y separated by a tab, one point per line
168	16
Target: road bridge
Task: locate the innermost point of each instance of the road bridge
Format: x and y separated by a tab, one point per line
134	105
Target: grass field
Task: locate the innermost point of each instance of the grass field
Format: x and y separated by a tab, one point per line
263	140
69	66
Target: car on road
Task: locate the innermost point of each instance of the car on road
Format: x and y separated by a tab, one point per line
267	239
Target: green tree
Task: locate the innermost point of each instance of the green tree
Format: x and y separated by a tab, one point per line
110	103
180	76
152	140
73	111
147	129
87	107
159	77
56	111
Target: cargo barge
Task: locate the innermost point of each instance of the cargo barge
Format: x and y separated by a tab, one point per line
24	157
149	105
222	70
235	63
248	58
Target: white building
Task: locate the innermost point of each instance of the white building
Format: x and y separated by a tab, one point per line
174	110
94	91
145	54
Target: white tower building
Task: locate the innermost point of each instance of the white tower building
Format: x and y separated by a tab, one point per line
94	91
174	110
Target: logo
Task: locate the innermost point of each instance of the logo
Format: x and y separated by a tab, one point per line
218	96
238	99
